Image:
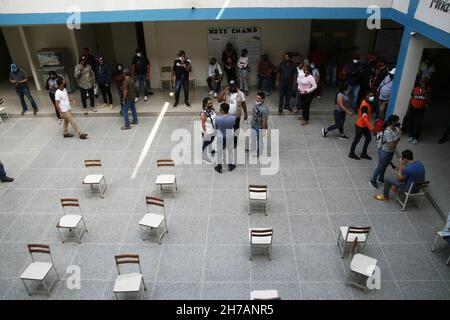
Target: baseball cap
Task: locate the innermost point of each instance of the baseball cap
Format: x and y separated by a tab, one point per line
13	67
232	83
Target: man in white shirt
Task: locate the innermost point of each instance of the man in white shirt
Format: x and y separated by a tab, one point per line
62	102
215	75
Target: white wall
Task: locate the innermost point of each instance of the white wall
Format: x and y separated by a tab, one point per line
15	47
14	6
277	37
401	5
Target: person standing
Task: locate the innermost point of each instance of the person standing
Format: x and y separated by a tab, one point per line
235	99
389	141
128	102
3	176
363	127
244	70
354	72
119	77
224	124
18	78
384	92
140	69
287	74
265	68
419	100
104	75
306	86
215	76
180	71
62	102
408	171
86	81
260	115
316	74
229	59
51	85
341	110
207	117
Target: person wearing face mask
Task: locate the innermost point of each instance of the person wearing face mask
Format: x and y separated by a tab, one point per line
19	79
104	76
215	76
180	72
306	87
416	112
384	92
140	68
243	71
389	141
207	117
341	110
286	76
229	58
86	80
363	127
354	72
316	74
51	85
260	114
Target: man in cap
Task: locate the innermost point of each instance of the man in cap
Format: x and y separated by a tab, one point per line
86	80
18	78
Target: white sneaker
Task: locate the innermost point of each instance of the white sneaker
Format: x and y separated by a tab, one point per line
111	107
324	132
206	162
136	99
215	94
410	139
145	98
93	109
59	121
104	105
211	92
415	141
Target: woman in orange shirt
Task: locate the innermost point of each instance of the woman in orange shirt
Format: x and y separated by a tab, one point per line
363	127
419	100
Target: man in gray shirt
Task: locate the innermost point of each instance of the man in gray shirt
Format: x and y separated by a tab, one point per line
260	114
389	142
18	78
225	137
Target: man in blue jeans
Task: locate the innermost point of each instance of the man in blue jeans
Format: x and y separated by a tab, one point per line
3	176
287	74
389	141
19	79
260	114
180	71
140	69
354	72
409	171
128	99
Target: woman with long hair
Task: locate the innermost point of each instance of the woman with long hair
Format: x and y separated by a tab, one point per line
341	110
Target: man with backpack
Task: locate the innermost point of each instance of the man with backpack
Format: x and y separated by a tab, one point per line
387	144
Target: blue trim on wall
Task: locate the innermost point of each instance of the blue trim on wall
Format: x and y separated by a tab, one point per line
413	4
189	15
404	45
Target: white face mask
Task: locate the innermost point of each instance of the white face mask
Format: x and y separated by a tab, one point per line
139	54
313	66
119	68
355	61
371	99
259	102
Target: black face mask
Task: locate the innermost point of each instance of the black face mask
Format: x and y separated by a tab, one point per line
233	90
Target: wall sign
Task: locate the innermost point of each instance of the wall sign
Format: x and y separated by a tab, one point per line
434	12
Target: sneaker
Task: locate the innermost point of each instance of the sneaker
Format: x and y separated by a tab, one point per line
136	99
35	111
125	128
145	98
111	107
366	156
215	94
353	156
381	197
93	109
104	105
373	184
415	142
211	92
218	168
231	167
83	136
343	137
6	179
206	162
67	135
175	105
134	122
59	121
324	132
23	112
187	104
410	139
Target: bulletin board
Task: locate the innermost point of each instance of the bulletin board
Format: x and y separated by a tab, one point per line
241	38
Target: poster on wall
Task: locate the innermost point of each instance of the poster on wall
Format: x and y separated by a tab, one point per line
241	38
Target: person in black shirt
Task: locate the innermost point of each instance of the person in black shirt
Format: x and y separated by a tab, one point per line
140	68
229	60
52	86
180	71
287	73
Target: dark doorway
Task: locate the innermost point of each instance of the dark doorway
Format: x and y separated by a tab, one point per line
5	58
140	36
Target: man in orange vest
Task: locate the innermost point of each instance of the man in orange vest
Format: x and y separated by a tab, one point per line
363	127
419	100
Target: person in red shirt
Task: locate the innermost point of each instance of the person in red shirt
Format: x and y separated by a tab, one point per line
363	127
420	98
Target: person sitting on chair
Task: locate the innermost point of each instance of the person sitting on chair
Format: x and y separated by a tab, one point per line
408	171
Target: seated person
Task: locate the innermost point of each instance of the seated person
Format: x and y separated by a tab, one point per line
408	171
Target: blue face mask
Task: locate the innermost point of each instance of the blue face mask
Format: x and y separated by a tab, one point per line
13	68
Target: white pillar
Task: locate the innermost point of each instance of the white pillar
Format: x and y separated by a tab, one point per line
26	41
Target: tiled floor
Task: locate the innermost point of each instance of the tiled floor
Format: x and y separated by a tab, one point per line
205	253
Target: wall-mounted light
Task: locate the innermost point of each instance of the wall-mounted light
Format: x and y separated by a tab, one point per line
413	33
